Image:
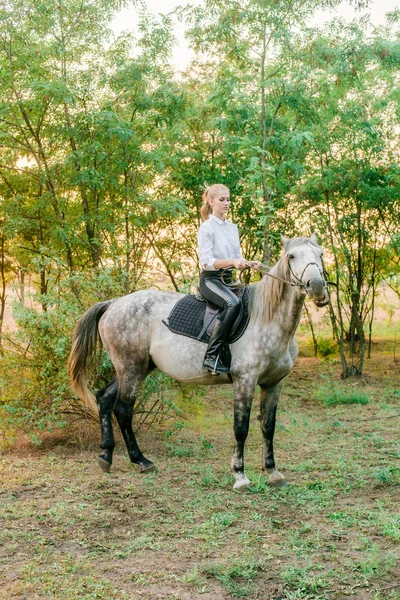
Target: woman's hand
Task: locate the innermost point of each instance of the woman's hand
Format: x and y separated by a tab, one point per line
254	264
239	263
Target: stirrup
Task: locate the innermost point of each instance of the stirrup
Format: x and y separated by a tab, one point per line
222	370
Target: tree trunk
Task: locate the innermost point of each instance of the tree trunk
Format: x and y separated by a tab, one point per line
267	252
3	290
22	287
311	325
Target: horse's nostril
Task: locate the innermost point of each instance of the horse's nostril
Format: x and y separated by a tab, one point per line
315	286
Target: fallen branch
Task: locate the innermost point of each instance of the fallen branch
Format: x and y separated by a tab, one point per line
370	419
388	587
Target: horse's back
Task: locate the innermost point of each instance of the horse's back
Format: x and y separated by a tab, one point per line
130	317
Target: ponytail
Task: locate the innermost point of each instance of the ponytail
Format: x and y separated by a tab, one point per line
206	209
210	193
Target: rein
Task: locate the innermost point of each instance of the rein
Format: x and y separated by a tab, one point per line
264	270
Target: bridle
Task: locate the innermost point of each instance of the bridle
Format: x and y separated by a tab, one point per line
294	282
298	281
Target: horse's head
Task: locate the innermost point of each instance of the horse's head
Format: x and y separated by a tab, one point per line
305	269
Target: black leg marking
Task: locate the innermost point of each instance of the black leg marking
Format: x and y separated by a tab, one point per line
268	406
106	399
124	413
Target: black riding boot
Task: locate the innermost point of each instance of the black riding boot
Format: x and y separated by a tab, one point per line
212	361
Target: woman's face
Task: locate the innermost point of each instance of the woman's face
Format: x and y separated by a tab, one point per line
220	205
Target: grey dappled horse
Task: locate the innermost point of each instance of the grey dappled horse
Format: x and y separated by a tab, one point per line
134	336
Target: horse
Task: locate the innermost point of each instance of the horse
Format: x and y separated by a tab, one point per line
133	333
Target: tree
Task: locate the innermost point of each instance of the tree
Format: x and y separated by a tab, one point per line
351	185
261	96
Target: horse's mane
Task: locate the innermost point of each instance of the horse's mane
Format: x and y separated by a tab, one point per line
266	295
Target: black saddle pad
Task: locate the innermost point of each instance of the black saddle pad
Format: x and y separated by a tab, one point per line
186	318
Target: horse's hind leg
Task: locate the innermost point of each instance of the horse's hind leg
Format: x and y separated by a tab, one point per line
123	410
106	399
268	405
124	413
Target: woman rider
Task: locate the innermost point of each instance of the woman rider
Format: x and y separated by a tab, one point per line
219	248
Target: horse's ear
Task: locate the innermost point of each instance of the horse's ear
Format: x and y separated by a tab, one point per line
284	241
313	238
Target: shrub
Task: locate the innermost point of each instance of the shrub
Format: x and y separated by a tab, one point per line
35	391
326	347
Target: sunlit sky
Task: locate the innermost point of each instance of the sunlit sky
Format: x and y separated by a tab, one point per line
127	19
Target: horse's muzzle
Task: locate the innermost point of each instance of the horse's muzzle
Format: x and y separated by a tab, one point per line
323	302
316	288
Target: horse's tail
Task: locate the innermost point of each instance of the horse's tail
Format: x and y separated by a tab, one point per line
83	345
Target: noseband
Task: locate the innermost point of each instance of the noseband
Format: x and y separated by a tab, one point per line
298	281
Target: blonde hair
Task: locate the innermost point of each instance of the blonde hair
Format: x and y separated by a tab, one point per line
212	192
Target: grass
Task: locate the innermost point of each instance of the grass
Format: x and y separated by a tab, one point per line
70	532
236	576
332	394
305	579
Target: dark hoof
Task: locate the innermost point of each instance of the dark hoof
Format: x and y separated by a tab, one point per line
148	468
103	464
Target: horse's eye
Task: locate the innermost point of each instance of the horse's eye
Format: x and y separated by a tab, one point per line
291	256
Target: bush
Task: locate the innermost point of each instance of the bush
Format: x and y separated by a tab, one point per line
35	389
326	347
159	401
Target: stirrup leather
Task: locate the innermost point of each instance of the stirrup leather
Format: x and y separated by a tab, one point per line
215	366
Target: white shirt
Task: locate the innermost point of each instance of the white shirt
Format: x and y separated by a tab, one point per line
218	240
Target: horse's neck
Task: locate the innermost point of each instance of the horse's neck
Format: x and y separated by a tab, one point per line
276	309
288	314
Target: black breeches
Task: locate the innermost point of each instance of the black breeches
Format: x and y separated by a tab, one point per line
212	288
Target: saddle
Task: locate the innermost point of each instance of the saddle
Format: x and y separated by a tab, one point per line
195	317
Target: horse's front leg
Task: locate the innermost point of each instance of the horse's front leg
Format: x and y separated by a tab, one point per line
268	405
244	392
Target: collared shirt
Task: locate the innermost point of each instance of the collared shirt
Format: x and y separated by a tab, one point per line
218	240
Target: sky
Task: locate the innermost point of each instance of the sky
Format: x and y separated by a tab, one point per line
126	20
